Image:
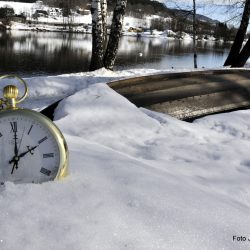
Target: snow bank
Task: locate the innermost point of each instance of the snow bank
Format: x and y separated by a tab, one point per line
138	179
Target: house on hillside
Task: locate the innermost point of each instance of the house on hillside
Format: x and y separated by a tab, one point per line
83	11
55	12
38	9
40	13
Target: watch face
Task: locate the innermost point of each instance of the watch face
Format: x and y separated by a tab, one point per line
29	150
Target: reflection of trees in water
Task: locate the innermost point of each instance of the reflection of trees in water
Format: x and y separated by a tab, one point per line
63	60
160	46
55	53
153	50
32	53
6	40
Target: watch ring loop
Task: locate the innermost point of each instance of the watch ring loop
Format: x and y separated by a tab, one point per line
21	81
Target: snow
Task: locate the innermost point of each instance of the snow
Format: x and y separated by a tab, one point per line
79	19
18	6
130	21
44	23
138	179
47	27
82	23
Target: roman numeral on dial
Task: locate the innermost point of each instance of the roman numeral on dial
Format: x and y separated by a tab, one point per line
45	171
42	140
50	155
13	127
30	129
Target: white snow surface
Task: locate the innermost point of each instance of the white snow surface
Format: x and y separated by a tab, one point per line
18	7
138	179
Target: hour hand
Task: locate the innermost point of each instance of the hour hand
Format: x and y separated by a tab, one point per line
16	149
30	150
16	158
15	166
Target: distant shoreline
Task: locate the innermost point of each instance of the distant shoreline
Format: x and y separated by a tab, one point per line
81	28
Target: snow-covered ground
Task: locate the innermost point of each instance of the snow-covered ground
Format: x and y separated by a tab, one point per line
138	179
49	27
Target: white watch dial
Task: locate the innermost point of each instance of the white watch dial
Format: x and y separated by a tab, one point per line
29	151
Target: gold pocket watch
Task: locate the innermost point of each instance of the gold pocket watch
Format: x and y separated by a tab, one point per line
32	148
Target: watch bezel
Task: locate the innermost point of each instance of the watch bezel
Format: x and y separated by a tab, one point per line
53	129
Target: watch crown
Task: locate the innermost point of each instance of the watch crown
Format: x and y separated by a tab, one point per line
10	92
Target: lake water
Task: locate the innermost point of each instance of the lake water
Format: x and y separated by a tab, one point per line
47	53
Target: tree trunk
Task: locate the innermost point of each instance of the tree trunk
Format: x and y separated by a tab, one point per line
115	34
243	56
104	8
238	41
97	36
194	34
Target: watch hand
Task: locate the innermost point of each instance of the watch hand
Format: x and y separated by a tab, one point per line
17	158
28	151
14	129
15	165
15	148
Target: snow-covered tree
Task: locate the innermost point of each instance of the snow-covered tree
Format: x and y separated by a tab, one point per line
104	53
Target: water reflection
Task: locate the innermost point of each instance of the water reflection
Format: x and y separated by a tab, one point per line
162	54
31	53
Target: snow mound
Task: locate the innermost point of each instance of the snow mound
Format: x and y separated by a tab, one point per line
138	179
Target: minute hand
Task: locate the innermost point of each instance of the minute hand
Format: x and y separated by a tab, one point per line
14	128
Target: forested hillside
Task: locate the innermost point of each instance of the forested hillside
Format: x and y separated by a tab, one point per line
168	19
136	8
26	1
147	6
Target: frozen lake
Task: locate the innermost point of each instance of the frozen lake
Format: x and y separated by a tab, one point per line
48	53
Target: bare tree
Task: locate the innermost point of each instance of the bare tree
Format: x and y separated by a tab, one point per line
243	55
194	34
102	56
115	34
239	38
97	35
185	15
104	8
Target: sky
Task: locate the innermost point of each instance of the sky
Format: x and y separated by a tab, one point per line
217	10
199	1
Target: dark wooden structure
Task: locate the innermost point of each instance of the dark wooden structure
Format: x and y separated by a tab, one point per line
189	95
